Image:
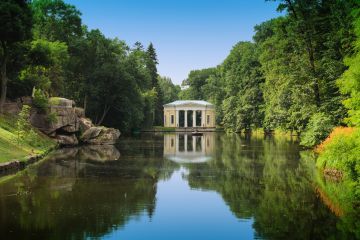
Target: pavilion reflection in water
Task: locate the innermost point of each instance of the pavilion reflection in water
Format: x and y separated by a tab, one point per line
186	148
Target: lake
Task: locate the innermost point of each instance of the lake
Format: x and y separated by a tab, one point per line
174	186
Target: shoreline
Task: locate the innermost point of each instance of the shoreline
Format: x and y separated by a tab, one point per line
14	166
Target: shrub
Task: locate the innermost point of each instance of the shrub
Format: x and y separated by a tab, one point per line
22	124
25	134
54	101
40	100
341	150
51	118
318	128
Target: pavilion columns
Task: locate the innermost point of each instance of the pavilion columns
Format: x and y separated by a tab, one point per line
203	118
185	142
177	113
194	124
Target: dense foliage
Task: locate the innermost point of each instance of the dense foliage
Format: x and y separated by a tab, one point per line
298	65
52	51
289	73
318	128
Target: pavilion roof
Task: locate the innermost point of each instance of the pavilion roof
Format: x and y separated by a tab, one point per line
187	102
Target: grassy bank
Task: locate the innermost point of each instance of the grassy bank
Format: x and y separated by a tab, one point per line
11	148
341	152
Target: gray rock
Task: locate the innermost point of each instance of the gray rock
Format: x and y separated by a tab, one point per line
70	129
85	124
80	113
67	140
91	133
100	136
61	102
12	108
64	118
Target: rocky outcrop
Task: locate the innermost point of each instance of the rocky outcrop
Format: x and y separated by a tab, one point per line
60	118
100	136
85	124
14	107
67	140
65	122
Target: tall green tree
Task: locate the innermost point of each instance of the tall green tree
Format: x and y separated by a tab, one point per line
302	56
15	27
195	82
170	91
151	65
56	20
350	81
243	105
46	67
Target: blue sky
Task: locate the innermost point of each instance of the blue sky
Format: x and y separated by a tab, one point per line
187	34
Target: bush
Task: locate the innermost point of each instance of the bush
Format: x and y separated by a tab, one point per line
341	151
22	124
51	118
25	134
318	128
40	100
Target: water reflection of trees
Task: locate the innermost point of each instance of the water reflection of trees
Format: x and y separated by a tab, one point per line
75	195
270	182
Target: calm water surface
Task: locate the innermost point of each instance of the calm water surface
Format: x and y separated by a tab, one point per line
172	186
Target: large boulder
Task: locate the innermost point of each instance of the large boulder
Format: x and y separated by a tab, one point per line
12	108
67	140
62	117
80	112
100	136
85	124
61	102
63	121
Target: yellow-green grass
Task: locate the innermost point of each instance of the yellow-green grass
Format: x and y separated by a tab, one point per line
12	149
161	128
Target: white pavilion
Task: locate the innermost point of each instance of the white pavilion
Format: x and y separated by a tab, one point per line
190	114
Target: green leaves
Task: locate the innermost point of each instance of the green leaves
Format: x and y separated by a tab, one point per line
46	68
15	21
318	128
56	21
349	82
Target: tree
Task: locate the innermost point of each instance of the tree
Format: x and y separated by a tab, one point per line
349	82
196	81
46	68
243	102
170	91
151	66
56	21
288	97
15	27
311	41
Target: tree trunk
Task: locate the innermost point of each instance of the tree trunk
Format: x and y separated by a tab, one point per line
3	80
310	52
106	110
